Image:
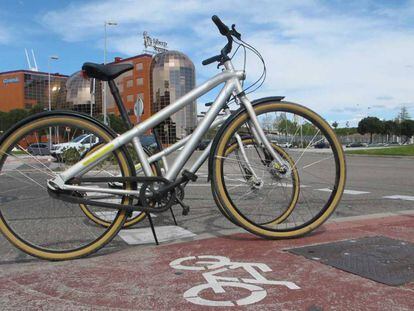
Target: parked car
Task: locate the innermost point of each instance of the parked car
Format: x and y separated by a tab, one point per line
39	149
203	144
81	143
285	145
149	142
354	145
322	145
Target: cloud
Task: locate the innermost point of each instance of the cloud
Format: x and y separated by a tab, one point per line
87	20
5	35
385	97
336	57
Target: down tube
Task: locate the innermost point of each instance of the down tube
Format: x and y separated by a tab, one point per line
201	129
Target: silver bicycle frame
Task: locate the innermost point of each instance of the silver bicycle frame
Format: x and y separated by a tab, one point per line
232	85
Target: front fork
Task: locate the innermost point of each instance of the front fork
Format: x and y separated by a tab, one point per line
259	135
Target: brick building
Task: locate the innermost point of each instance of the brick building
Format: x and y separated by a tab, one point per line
133	84
158	80
23	89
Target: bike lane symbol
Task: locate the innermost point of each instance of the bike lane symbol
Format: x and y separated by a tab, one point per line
217	283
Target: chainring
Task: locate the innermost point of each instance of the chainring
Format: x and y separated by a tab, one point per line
149	196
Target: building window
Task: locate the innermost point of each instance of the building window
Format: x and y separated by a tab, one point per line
140	81
130	98
28	106
139	66
129	83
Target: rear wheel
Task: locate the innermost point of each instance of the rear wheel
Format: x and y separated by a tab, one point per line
254	204
102	216
32	220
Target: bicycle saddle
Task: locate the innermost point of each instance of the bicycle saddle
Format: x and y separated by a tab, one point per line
105	72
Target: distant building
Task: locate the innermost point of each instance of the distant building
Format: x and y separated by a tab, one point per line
132	85
24	89
172	76
83	95
158	80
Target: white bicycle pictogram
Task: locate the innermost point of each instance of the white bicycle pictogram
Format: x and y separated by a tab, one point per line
215	265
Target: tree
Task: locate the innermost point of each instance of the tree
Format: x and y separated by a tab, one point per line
370	125
36	109
403	114
116	123
286	126
407	129
309	129
344	131
390	127
335	125
14	116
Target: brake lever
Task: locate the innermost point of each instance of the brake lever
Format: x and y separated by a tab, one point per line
234	32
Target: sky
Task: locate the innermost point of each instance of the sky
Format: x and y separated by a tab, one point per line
344	59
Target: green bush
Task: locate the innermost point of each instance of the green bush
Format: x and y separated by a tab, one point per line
71	156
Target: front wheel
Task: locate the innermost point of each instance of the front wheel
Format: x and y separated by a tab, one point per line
243	173
253	204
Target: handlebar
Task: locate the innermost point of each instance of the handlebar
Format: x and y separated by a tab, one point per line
225	31
210	60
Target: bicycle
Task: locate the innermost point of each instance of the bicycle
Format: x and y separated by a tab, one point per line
255	182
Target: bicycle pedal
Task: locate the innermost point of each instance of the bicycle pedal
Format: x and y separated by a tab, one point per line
185	207
189	176
186	210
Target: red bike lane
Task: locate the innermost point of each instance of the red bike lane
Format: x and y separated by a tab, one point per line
230	272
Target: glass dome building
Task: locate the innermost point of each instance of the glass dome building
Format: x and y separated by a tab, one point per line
82	95
172	76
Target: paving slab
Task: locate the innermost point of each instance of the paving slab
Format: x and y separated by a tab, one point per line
233	272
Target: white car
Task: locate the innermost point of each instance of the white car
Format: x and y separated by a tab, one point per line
81	143
285	145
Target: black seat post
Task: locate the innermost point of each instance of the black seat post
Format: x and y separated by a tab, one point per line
119	103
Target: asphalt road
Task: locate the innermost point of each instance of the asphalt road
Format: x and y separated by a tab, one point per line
370	180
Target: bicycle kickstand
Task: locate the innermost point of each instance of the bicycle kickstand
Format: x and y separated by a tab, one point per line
152	228
173	216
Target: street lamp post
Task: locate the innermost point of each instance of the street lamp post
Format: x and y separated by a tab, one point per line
53	57
106	23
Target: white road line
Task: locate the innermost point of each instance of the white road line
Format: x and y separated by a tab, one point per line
144	235
346	191
400	197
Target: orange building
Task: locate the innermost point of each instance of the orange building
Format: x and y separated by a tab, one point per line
23	89
132	85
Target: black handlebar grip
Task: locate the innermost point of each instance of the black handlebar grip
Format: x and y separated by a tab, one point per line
211	60
224	30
